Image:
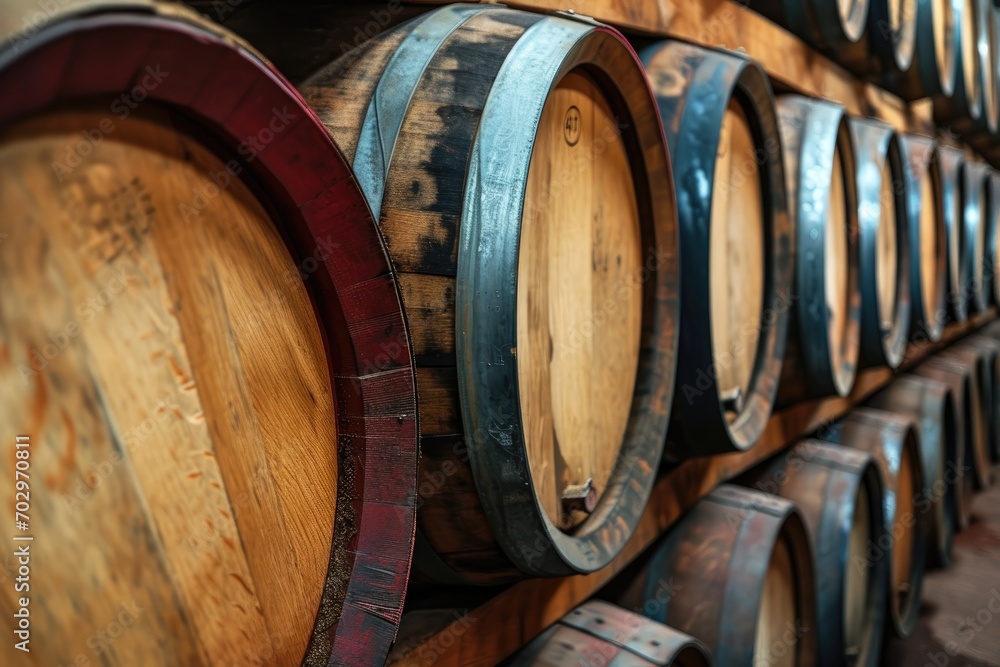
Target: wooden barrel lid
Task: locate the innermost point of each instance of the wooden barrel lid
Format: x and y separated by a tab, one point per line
903	526
579	297
778	610
858	572
836	266
971	65
737	255
887	249
903	29
177	381
196	322
928	242
943	30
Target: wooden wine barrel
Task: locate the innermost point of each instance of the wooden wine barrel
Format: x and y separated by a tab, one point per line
884	243
821	356
950	161
931	406
825	24
839	493
986	124
968	427
991	264
736	237
893	442
934	68
981	358
989	346
966	101
739	572
600	633
533	226
889	42
193	295
928	238
975	182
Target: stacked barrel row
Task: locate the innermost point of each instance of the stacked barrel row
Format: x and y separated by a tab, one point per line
818	555
946	50
450	301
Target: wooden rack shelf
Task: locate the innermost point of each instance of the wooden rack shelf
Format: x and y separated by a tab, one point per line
791	64
485	635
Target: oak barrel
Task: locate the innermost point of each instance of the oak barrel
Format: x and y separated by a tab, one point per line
931	406
600	633
992	331
966	102
991	264
985	126
828	25
532	224
738	570
839	493
982	355
969	426
192	293
736	240
893	441
928	238
934	69
821	356
950	161
888	44
884	243
975	182
989	346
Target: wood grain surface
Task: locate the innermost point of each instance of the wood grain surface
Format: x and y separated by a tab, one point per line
736	254
191	415
579	304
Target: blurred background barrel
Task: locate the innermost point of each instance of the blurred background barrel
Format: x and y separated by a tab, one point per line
821	356
933	69
839	493
987	345
736	238
532	224
984	126
599	633
928	238
991	265
968	427
739	573
893	442
950	161
192	293
981	361
889	42
931	406
884	243
975	181
828	25
967	100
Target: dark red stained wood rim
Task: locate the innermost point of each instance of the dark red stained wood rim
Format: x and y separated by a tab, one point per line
233	94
